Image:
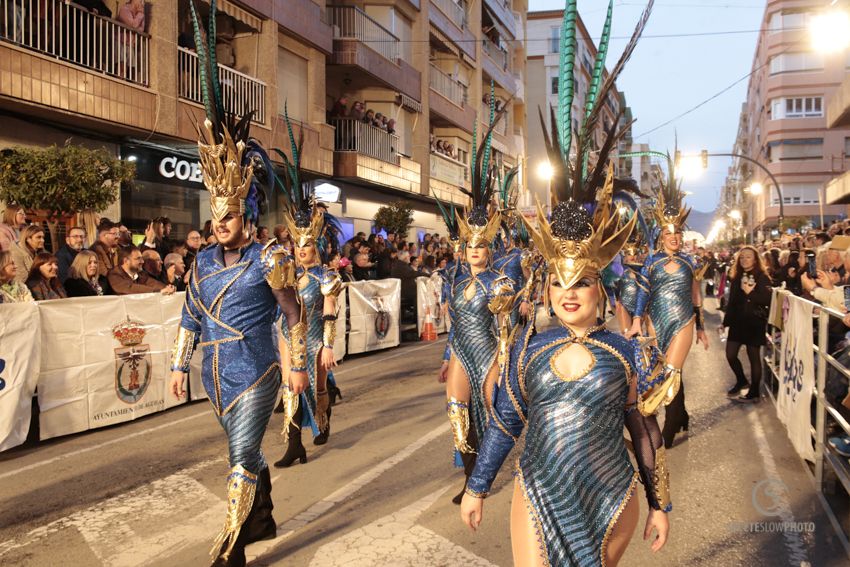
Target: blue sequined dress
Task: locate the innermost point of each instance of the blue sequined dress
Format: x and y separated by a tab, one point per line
474	337
628	285
574	472
309	288
510	264
668	301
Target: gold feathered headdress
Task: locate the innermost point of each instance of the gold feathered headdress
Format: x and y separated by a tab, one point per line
225	177
670	213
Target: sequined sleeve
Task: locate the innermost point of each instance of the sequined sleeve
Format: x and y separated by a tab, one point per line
190	327
643	290
504	428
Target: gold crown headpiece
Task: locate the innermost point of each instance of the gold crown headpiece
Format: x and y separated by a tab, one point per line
226	179
570	259
670	216
309	232
474	234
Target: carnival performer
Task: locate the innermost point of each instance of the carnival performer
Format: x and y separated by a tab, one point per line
469	367
236	290
671	299
318	287
630	282
574	387
513	259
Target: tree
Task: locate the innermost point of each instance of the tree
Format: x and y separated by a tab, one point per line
396	217
59	182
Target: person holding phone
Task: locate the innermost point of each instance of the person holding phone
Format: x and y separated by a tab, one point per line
746	318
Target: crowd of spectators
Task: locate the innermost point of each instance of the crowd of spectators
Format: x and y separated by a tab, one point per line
358	111
443	147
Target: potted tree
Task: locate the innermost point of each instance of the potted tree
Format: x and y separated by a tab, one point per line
396	217
66	184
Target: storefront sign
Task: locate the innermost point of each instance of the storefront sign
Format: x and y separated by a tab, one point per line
172	167
162	167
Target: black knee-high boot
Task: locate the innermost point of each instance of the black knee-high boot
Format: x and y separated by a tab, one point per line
676	417
294	448
468	463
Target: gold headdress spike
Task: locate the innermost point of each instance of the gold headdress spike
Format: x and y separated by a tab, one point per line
669	215
474	234
582	250
304	235
227	180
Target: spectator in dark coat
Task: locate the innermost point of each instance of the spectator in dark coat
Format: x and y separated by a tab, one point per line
106	246
175	270
73	244
84	279
129	278
43	279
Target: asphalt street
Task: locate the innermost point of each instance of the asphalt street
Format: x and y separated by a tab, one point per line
151	492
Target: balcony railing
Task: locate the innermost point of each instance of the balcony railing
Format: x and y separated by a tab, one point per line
501	126
351	22
496	53
70	33
450	88
240	93
456	11
448	170
353	135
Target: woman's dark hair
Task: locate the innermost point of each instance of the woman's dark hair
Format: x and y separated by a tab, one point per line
41	259
736	271
430	262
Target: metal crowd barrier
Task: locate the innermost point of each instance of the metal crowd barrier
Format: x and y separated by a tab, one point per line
827	461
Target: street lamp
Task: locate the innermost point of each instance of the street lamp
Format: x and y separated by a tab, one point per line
689	167
545	171
756	189
830	31
735	214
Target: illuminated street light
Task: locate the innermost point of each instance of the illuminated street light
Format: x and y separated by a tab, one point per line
545	171
623	210
689	167
720	224
830	31
735	214
756	189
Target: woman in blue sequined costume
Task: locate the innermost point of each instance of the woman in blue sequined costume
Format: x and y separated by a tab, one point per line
629	283
671	302
469	367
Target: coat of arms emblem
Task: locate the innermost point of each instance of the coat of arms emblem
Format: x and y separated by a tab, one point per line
132	361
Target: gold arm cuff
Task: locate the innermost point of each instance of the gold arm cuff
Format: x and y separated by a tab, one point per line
458	412
479	495
241	487
184	347
329	333
661	479
663	393
298	346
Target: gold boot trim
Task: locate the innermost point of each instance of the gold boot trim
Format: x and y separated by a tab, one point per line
322	405
241	486
290	402
458	412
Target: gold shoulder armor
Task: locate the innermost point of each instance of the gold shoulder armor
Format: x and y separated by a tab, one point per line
331	284
278	266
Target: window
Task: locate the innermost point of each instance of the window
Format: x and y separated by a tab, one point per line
554	39
846	147
796	194
796	107
292	81
792	62
787	150
787	20
554	85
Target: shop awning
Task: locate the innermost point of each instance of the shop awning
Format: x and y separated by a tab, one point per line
239	14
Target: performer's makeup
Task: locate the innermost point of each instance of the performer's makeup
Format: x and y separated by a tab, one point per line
229	231
672	241
575	306
306	254
477	255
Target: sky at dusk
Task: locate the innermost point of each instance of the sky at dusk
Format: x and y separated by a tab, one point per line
666	76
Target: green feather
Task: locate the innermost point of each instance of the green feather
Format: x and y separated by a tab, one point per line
599	65
566	86
485	166
211	36
202	57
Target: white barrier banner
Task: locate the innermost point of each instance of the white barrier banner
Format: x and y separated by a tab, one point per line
93	372
19	364
341	331
797	374
428	292
375	310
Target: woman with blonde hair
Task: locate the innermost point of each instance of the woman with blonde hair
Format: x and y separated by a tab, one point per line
24	251
14	219
11	291
83	278
746	317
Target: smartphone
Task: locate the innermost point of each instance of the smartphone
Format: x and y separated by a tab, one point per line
812	265
847	297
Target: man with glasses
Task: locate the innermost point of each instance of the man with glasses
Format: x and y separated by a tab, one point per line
74	242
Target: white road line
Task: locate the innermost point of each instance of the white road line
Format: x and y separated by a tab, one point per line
396	539
289	527
205	411
793	541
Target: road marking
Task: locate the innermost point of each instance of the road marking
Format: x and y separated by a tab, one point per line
143	525
205	411
306	517
397	539
793	541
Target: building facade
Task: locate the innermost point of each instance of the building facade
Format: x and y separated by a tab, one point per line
542	86
783	125
425	65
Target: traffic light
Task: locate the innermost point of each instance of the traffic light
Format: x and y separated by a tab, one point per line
704	155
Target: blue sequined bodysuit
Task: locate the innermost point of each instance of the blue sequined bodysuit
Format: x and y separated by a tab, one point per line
309	288
574	472
628	285
473	338
510	264
668	300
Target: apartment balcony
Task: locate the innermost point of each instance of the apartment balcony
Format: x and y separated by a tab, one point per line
364	45
451	18
240	92
449	100
838	107
495	65
501	9
56	55
449	171
364	152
